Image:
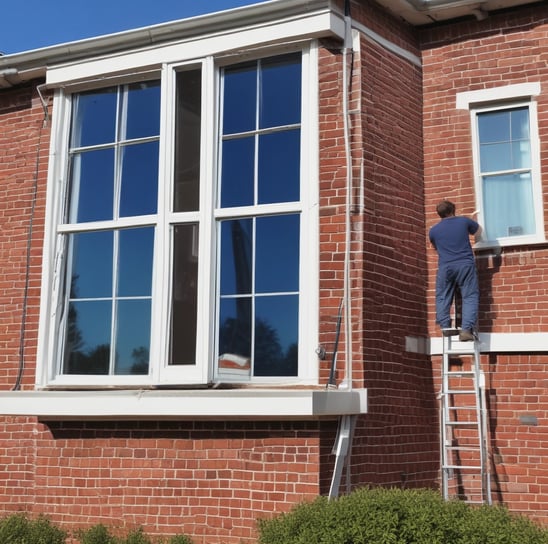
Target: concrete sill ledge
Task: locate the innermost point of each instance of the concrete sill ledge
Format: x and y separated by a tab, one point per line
184	404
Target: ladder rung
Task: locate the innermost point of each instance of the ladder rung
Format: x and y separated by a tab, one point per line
451	351
462	467
461	423
463	448
460	373
456	408
460	391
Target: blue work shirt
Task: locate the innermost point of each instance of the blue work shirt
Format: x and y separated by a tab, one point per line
451	238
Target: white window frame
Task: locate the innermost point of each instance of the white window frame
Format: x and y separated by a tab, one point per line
496	99
203	372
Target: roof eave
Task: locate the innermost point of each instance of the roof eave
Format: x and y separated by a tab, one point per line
20	67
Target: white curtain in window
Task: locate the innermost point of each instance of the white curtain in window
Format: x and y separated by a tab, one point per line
508	201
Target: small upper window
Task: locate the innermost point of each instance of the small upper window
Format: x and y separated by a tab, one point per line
507	165
506	173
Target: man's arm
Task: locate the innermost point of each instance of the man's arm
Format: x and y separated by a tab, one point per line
478	233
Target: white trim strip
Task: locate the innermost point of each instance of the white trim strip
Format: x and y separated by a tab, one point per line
503	342
184	404
507	92
386	44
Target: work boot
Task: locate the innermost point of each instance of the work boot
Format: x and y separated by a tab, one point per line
466	336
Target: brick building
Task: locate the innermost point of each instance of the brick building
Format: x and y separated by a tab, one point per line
215	263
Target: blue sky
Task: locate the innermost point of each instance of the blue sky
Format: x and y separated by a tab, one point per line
33	24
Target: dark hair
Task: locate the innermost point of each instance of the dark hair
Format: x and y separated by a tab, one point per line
445	208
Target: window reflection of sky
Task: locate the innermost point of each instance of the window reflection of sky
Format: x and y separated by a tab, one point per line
279	167
139	191
92	186
259	269
111	274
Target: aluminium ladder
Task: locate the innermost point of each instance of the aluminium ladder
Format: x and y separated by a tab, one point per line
463	419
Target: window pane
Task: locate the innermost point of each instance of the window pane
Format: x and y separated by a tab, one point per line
237	172
94	118
277	259
87	341
184	304
239	98
187	141
276	336
135	262
519	119
235	336
280	91
139	192
279	166
508	202
504	140
91	186
236	256
91	275
496	157
494	127
521	154
132	337
143	110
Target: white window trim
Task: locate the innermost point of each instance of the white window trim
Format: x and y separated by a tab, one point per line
505	97
46	375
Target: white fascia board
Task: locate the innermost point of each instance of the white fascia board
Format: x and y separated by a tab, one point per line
305	26
184	404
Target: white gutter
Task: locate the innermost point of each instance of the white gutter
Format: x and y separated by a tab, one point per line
426	5
34	63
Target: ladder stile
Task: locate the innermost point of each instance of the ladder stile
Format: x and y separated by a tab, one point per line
464	422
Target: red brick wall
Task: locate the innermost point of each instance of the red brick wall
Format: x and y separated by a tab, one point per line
506	48
24	145
397	443
400	436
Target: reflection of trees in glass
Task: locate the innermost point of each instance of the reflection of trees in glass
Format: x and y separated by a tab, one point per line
234	337
140	358
269	359
96	361
76	360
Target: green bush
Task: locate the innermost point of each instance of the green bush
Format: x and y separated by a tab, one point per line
99	534
19	529
395	516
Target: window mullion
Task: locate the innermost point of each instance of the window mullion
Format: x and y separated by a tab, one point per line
114	302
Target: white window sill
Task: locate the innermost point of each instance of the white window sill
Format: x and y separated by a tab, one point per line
497	245
184	404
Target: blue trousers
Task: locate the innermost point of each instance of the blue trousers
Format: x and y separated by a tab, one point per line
465	277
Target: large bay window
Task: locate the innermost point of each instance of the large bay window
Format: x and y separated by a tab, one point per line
182	217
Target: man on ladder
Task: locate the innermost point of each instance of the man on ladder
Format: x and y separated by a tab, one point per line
456	268
464	463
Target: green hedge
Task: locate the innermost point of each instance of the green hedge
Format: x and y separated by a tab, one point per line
19	529
395	516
